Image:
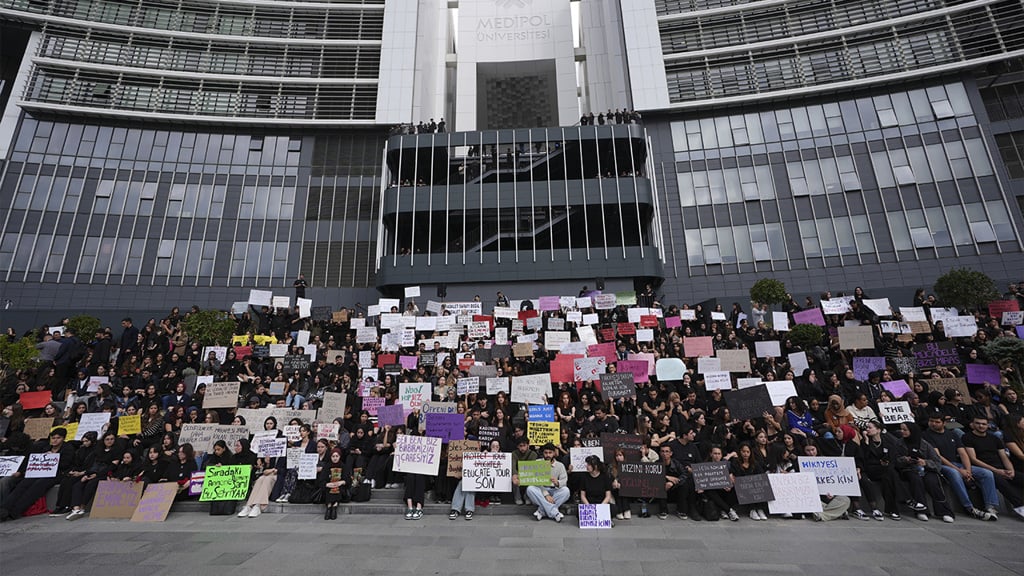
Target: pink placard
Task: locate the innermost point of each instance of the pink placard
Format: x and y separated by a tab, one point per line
695	346
408	362
897	387
607	350
673	322
644	357
372	403
548	303
812	316
637	367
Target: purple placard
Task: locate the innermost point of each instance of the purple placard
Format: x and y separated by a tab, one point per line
897	387
639	368
372	403
548	303
1020	332
983	374
408	362
393	415
447	427
865	365
673	322
812	316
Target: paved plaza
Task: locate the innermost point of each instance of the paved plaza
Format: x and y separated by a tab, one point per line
195	544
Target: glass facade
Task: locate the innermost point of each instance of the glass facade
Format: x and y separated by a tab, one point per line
882	178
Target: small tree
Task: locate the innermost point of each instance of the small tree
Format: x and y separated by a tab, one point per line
768	291
210	328
85	327
965	289
805	335
20	354
1008	353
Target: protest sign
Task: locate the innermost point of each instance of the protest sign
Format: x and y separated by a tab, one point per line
541	412
958	384
753	489
1015	318
767	349
717	381
642	480
812	316
488	472
695	346
534	473
865	365
879	306
734	360
226	483
10	464
595	516
221	395
417	455
707	364
638	368
895	412
905	365
195	483
617	385
835	306
578	456
327	431
307	465
261	298
469	385
780	391
42	465
606	350
586	369
748	403
835	475
522	349
115	500
487	434
711	475
456	450
373	403
780	321
38	428
393	415
532	389
92	422
897	387
562	368
935	354
203	436
630	444
94	383
670	369
128	425
34	400
856	338
541	433
498	384
794	494
983	374
960	326
412	395
447	427
798	362
268	447
332	406
156	502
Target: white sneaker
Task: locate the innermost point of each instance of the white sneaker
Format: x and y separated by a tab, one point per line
538	515
1019	511
519	500
753	515
627	515
947	519
733	516
922	517
761	515
76	514
245	511
255	512
283	499
619	516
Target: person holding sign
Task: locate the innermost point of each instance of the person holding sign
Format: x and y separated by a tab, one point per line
721	499
336	484
597	483
746	465
549	498
31	488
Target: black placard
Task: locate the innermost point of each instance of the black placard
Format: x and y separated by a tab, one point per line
631	444
935	354
428	358
618	385
393	368
711	475
261	351
590	442
295	363
754	489
487	434
320	313
749	402
500	351
642	480
482	355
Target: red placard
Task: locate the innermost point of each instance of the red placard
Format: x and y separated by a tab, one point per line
626	329
607	334
562	367
242	351
997	307
607	350
385	359
650	321
524	315
33	400
484	318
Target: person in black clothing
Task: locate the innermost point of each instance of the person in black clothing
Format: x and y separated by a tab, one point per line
104	459
676	477
29	490
181	468
129	343
336	484
597	484
988	451
300	287
83	459
878	455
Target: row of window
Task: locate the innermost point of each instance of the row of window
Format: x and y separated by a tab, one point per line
188	55
819	120
234	19
1011	149
201	98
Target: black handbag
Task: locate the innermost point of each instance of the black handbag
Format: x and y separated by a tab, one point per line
361	493
223	507
306	492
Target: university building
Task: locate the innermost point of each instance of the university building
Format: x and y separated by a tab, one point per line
157	153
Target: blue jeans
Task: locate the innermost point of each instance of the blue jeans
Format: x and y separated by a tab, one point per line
462	499
537	494
982	477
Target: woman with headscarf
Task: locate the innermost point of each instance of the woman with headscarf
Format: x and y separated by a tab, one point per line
921	467
266	471
836	414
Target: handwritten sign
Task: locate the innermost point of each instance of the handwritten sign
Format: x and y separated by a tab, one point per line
156	502
10	464
307	466
447	427
532	389
469	385
541	412
794	494
943	384
734	360
717	381
226	483
412	395
534	473
595	516
128	425
488	472
856	338
835	475
711	475
456	450
43	465
333	406
753	489
895	412
203	436
417	455
865	365
195	483
578	456
221	395
92	422
115	500
267	447
541	433
393	415
642	480
936	354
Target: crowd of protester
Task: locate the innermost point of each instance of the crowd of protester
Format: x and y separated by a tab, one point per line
960	456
